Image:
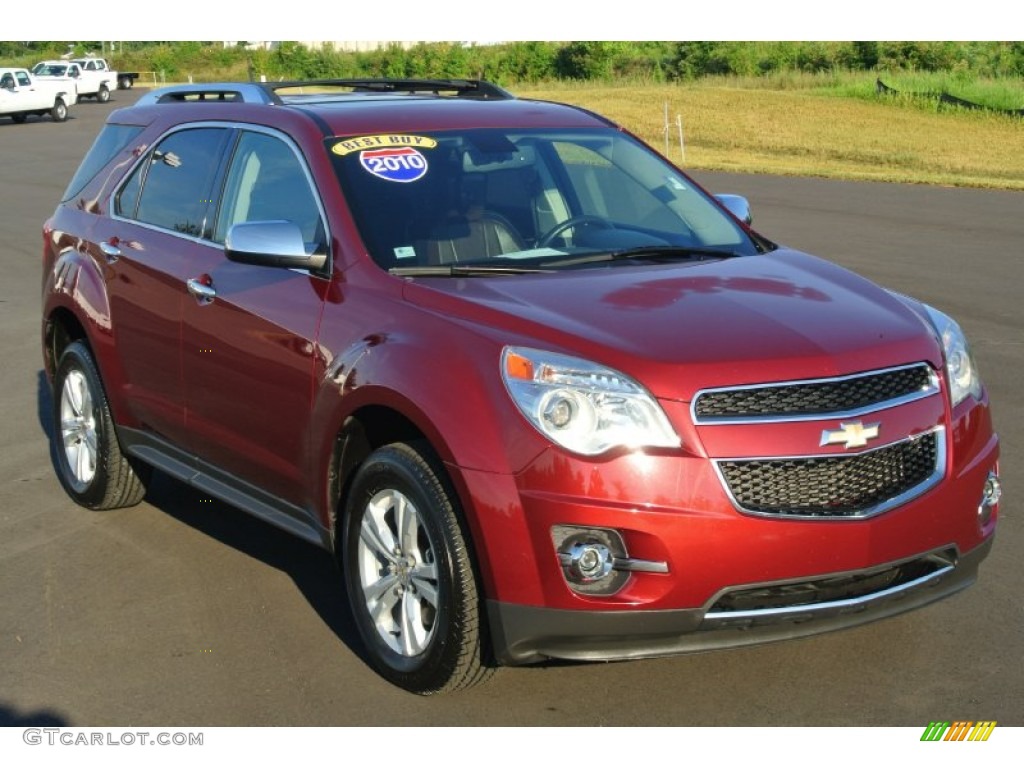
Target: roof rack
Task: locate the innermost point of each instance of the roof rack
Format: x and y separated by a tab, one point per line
470	89
267	93
247	93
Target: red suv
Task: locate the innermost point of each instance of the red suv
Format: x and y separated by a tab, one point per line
541	395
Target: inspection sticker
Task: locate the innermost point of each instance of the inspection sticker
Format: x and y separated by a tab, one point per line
402	164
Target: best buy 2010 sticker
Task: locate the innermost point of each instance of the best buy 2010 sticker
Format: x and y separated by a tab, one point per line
346	146
403	164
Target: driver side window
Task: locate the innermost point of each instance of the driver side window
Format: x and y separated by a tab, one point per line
267	182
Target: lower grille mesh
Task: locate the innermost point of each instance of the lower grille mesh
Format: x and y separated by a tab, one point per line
831	486
833	588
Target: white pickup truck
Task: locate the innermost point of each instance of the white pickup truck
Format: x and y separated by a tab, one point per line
22	95
124	80
88	77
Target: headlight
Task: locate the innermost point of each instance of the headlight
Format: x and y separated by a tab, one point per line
582	406
960	368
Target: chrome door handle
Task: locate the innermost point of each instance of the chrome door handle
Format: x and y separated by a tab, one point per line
111	251
203	293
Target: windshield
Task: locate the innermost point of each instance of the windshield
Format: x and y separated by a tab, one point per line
51	70
526	199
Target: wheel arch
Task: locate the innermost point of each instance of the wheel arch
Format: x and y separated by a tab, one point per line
77	307
61	329
373	426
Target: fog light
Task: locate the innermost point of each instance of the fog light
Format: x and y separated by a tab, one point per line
990	496
587	557
595	561
589	562
993	491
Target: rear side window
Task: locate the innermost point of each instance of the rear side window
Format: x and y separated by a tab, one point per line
171	188
112	139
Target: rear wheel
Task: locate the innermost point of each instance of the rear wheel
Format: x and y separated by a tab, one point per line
409	573
90	464
59	113
103	95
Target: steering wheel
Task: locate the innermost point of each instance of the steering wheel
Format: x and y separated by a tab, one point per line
545	240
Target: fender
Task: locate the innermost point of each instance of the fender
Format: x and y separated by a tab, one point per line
473	425
73	282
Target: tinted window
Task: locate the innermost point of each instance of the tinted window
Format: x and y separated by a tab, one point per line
177	180
483	194
112	139
23	79
266	182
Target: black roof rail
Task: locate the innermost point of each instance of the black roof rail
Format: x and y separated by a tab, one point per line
467	89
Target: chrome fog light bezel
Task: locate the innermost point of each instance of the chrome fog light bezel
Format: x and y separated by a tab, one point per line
991	494
595	561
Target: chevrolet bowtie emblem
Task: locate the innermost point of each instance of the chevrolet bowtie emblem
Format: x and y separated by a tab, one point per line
850	434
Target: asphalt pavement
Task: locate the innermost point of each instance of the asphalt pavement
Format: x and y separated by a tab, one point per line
185	611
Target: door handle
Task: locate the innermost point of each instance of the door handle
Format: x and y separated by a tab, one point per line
203	292
110	250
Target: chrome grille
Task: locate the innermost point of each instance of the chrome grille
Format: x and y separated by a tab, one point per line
814	398
836	486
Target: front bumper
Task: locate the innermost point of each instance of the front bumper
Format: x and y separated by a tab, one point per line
523	634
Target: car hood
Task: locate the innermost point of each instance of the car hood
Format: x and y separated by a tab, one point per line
679	328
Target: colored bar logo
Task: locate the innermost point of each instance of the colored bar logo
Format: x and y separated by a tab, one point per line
960	730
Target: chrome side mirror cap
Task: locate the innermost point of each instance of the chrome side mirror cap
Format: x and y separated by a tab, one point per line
738	206
271	244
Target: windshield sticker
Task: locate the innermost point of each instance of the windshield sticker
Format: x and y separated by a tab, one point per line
346	146
405	252
402	164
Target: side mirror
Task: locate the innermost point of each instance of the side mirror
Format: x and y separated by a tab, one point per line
271	244
738	206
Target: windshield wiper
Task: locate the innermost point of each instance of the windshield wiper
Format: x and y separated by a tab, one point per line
464	270
647	252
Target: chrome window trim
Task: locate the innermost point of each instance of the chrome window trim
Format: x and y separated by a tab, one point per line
229	125
911	493
933	389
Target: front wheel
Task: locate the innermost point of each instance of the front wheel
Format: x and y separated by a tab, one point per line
103	95
409	573
59	113
90	464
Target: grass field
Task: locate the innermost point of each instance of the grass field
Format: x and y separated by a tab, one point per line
812	126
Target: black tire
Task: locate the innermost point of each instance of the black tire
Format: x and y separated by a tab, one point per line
439	647
83	432
59	113
103	94
126	83
18	118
